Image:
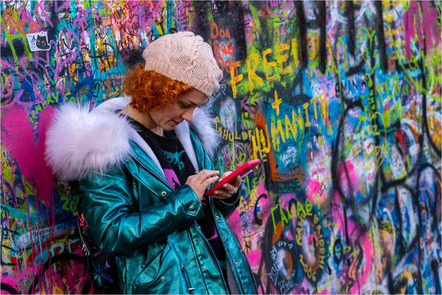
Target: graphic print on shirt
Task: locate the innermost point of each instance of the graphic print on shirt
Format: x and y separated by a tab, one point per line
174	158
172	178
215	234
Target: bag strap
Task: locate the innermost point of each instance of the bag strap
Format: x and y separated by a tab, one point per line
85	247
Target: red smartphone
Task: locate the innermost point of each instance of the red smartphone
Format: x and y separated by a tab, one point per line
241	171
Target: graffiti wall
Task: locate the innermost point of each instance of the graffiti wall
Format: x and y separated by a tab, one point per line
341	101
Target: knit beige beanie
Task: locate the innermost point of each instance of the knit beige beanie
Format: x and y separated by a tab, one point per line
184	57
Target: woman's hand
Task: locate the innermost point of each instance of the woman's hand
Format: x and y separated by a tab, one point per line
200	181
228	189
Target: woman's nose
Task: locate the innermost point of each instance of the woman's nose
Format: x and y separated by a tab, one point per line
187	115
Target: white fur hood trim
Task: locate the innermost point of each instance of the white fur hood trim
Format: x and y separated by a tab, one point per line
81	141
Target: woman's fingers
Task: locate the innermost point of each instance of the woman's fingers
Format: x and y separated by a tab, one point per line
208	176
228	189
200	181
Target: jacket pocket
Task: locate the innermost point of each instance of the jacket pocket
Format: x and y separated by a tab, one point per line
163	275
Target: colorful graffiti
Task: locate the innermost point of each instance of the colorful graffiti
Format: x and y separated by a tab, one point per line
341	101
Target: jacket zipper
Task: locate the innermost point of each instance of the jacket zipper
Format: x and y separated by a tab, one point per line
186	278
183	271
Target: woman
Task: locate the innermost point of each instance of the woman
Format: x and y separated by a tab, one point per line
143	163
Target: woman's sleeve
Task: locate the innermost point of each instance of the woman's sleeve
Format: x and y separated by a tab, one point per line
116	223
226	207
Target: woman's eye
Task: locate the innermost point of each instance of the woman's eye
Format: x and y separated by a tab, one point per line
184	106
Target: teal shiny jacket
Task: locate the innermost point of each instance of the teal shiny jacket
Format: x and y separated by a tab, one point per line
133	211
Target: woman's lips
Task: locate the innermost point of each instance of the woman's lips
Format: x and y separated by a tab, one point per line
175	122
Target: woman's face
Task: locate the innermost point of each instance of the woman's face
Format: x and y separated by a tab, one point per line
178	111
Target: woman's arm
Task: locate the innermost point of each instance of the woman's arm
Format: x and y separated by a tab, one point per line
115	220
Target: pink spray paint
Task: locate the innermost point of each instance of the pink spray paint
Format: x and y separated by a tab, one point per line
19	140
423	26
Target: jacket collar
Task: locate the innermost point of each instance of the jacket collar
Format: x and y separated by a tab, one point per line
80	140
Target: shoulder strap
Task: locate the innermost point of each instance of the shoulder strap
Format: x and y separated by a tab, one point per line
85	247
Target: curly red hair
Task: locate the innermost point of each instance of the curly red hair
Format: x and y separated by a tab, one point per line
150	90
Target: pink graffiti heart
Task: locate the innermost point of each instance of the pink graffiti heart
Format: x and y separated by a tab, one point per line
21	144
